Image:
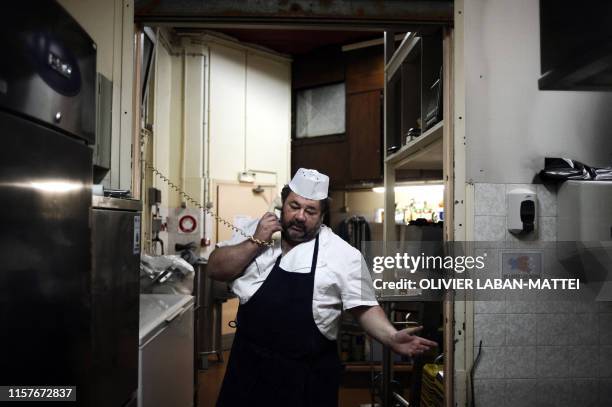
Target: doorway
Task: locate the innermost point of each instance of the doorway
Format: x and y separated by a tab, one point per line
362	100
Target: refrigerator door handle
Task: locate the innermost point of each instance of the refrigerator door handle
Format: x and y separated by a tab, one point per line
176	314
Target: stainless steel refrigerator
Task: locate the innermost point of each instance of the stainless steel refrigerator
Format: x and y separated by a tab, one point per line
115	296
48	311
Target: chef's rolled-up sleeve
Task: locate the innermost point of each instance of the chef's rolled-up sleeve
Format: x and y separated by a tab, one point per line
237	238
245	224
356	288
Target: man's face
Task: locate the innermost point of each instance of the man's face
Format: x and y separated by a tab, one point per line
300	218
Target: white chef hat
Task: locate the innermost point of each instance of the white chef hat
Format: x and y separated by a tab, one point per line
310	184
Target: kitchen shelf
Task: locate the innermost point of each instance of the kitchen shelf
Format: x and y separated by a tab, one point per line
423	153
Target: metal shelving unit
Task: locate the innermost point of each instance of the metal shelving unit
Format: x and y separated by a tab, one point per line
423	153
408	70
404	108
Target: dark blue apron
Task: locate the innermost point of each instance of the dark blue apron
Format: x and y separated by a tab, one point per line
279	357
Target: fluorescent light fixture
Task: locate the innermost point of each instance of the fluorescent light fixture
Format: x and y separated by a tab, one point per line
407	186
370	43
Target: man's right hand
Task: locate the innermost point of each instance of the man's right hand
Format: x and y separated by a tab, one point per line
268	224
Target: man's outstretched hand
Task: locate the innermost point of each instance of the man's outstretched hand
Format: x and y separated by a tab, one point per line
405	342
374	321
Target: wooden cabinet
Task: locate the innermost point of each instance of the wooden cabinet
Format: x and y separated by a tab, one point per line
365	70
318	68
356	156
325	154
364	131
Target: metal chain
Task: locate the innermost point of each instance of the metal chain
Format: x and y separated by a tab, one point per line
188	198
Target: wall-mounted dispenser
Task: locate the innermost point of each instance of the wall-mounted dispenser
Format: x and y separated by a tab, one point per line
522	212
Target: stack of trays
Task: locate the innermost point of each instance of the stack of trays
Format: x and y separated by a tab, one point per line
432	390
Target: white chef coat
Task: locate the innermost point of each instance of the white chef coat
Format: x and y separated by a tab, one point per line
342	280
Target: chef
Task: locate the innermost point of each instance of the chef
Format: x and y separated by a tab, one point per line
291	297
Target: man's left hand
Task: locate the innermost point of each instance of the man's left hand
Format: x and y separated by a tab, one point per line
405	342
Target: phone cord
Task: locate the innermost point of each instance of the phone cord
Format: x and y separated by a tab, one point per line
188	198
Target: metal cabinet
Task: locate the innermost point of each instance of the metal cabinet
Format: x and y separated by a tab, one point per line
166	362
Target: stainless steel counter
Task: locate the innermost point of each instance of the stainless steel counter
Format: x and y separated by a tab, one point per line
157	309
166	371
106	202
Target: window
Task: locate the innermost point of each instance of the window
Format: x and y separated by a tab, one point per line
320	111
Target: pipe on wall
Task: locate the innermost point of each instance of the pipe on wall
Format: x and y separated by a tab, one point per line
136	109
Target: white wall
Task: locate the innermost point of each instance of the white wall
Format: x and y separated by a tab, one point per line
227	112
220	109
250	114
511	125
178	131
97	18
268	116
165	149
194	120
110	23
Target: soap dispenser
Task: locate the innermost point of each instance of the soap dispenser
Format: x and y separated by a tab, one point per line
522	212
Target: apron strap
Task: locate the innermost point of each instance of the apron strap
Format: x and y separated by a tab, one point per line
315	254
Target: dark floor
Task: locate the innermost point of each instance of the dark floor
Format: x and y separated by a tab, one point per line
210	381
354	393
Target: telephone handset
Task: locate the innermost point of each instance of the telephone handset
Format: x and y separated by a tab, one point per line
276	208
228	224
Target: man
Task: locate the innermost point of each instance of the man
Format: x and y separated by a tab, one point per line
291	297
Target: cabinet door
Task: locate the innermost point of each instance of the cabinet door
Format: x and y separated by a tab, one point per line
365	135
166	365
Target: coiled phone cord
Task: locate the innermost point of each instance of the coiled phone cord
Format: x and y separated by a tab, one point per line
188	198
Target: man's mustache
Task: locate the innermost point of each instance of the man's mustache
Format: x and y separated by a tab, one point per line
297	224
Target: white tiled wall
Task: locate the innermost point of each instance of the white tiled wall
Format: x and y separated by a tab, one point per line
490	209
537	353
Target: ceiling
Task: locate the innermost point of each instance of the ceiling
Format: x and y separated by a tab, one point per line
364	13
297	42
296	27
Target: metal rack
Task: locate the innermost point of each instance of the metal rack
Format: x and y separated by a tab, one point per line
430	152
